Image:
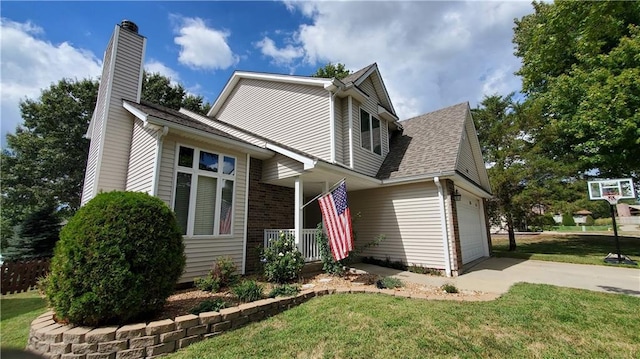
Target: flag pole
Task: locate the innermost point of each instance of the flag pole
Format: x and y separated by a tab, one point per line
323	193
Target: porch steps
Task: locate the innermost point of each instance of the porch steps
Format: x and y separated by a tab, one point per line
311	268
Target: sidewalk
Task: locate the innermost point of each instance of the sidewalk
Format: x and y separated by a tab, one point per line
497	275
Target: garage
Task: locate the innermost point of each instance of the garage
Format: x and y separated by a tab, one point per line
471	229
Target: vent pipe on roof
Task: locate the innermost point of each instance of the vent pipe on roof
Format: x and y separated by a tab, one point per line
129	25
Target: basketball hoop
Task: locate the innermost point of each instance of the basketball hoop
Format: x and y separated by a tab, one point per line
612	199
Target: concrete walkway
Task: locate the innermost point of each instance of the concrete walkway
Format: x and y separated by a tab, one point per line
497	275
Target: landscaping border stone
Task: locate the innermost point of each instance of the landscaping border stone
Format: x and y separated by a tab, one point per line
146	340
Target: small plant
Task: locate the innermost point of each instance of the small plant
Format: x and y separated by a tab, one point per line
209	305
284	290
424	270
449	288
207	284
225	272
389	283
248	291
282	260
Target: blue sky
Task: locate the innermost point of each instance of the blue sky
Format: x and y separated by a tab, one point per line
430	54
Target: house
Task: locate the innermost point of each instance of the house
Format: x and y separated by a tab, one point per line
579	217
241	174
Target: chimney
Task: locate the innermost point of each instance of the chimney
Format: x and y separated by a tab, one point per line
111	126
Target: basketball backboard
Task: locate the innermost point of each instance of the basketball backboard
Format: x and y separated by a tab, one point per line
605	188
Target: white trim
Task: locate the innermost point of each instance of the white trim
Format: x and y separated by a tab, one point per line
252	149
136	112
368	73
246	214
107	106
238	75
445	227
144	48
158	159
382	112
350	132
298	215
332	126
306	161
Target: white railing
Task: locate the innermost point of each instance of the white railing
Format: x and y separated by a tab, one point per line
307	246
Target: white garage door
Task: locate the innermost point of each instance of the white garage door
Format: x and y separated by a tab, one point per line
470	227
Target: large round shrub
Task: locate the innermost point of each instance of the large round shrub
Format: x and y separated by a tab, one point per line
117	260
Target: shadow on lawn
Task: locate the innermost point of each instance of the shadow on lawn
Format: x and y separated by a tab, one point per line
576	245
13	307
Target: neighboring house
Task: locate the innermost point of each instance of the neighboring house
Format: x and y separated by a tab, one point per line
270	143
579	217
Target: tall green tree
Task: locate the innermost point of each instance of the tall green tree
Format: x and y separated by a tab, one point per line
581	65
331	70
44	162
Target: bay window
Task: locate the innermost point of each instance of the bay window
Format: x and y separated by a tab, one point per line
204	192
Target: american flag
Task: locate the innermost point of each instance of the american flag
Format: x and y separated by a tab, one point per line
337	221
225	222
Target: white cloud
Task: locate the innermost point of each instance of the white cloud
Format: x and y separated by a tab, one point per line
155	66
29	63
430	54
202	47
280	56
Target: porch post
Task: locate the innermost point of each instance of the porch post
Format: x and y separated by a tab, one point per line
298	223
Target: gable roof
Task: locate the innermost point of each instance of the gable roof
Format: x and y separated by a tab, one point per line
356	78
428	145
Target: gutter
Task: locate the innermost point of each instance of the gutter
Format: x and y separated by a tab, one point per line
445	227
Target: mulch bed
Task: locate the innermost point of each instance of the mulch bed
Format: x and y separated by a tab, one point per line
182	301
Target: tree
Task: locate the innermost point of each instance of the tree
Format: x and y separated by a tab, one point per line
44	162
567	220
38	234
580	65
331	70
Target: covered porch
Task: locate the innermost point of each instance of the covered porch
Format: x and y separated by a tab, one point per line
306	211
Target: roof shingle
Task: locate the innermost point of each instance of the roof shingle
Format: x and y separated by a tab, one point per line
429	144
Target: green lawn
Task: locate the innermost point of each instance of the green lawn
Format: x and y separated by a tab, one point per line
537	321
17	311
570	248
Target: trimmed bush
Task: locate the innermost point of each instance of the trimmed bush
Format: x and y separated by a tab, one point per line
567	220
117	260
284	290
588	221
603	221
209	305
282	260
207	284
248	291
389	283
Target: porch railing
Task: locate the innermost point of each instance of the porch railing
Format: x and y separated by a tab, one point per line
306	245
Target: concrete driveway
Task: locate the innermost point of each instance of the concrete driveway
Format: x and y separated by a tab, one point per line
497	275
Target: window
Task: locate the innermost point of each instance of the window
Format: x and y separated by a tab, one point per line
208	208
370	134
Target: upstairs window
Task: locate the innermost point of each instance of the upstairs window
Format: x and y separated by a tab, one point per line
204	188
370	134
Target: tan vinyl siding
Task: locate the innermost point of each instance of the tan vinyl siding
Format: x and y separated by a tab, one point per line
201	252
118	133
295	115
466	163
228	129
142	159
408	216
338	120
279	167
345	131
366	161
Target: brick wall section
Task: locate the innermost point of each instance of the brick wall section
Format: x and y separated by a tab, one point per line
457	247
151	340
269	207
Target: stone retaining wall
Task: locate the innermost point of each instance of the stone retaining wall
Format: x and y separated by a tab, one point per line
53	340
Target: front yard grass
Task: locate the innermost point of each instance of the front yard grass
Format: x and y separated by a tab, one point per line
569	248
17	311
531	320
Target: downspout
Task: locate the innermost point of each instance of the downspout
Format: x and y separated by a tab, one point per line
445	227
162	132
